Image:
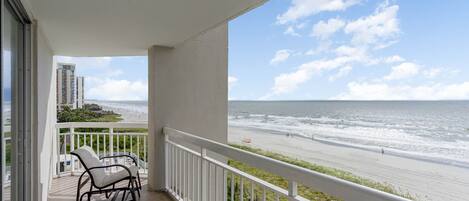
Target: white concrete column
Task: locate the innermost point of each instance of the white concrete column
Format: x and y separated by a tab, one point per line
188	90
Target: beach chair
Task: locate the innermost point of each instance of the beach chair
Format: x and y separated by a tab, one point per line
103	180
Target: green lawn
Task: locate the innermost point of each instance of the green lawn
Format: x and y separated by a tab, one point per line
107	118
304	191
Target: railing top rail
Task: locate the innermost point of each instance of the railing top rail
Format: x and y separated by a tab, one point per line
102	125
331	185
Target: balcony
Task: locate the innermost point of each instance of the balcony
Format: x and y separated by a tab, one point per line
196	167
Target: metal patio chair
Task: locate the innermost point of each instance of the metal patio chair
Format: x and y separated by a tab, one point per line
104	182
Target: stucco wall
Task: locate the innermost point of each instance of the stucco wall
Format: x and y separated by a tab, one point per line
45	112
188	90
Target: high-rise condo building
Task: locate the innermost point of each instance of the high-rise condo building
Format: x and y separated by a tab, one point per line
66	90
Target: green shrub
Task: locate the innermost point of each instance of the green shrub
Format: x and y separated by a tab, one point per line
305	191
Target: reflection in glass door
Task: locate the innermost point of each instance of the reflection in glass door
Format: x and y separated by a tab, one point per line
12	51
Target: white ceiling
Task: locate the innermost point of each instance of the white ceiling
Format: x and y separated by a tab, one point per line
128	27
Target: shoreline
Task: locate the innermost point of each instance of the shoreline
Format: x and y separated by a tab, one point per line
427	180
374	150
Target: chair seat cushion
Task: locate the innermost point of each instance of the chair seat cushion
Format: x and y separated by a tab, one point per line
112	177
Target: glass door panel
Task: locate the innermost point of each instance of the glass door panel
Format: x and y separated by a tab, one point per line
11	53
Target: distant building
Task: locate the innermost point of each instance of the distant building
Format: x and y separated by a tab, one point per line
66	85
80	91
70	89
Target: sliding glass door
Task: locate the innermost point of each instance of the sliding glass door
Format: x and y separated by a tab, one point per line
13	105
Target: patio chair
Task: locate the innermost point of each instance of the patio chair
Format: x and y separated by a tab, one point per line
105	181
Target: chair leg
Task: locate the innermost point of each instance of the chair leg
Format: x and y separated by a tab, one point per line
132	190
138	189
139	182
123	195
89	193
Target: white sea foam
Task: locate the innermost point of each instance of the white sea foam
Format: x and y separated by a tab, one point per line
364	135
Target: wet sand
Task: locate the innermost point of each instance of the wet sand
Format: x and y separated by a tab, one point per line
425	180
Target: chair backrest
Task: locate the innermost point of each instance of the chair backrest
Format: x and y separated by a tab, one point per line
90	159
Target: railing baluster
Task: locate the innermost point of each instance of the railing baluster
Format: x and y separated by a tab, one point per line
98	144
209	181
292	189
241	189
253	185
105	145
225	197
166	161
203	154
232	186
175	170
199	179
184	184
118	143
138	152
180	172
58	152
131	144
263	194
64	151
145	154
171	148
111	141
191	177
91	141
216	181
72	148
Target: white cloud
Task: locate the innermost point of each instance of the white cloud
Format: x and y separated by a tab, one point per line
432	73
375	29
280	56
323	30
350	51
304	8
232	81
323	46
287	82
291	31
394	59
402	71
113	89
342	73
381	91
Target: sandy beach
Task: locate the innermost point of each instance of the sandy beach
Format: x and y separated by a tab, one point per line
426	180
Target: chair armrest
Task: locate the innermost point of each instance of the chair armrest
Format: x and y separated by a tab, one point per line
120	156
114	165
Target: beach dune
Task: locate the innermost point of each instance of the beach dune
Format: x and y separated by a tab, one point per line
425	180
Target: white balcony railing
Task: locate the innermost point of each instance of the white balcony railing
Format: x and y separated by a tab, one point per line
196	167
196	175
105	138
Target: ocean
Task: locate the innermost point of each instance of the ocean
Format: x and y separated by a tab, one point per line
436	131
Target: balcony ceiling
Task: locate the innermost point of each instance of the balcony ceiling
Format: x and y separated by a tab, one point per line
128	27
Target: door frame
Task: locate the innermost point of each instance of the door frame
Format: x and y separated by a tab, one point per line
21	182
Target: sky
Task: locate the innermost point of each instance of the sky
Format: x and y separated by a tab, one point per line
325	50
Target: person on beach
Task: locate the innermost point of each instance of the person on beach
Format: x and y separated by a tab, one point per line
382	151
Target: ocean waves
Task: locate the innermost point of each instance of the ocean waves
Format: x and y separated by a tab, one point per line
408	140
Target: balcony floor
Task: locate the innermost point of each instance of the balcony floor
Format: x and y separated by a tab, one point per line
64	189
